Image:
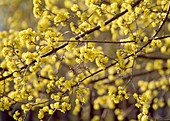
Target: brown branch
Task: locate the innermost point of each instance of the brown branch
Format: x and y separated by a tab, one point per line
96	41
153	57
55	50
126	77
163	37
144	73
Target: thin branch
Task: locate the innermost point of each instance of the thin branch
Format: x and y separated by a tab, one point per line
129	110
144	73
131	76
55	50
96	41
153	57
163	37
128	76
103	115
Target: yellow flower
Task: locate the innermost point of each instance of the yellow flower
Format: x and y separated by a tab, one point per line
74	8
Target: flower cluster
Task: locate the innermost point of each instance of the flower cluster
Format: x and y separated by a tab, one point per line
121	94
5	104
27	36
142	102
37	8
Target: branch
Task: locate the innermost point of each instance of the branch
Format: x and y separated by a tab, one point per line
96	41
163	37
152	57
127	77
144	73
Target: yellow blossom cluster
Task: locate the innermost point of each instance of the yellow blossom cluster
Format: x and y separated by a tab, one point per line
142	102
121	94
37	8
89	58
5	104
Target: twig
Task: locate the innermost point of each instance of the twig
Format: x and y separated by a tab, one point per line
163	37
127	77
131	76
153	57
96	41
